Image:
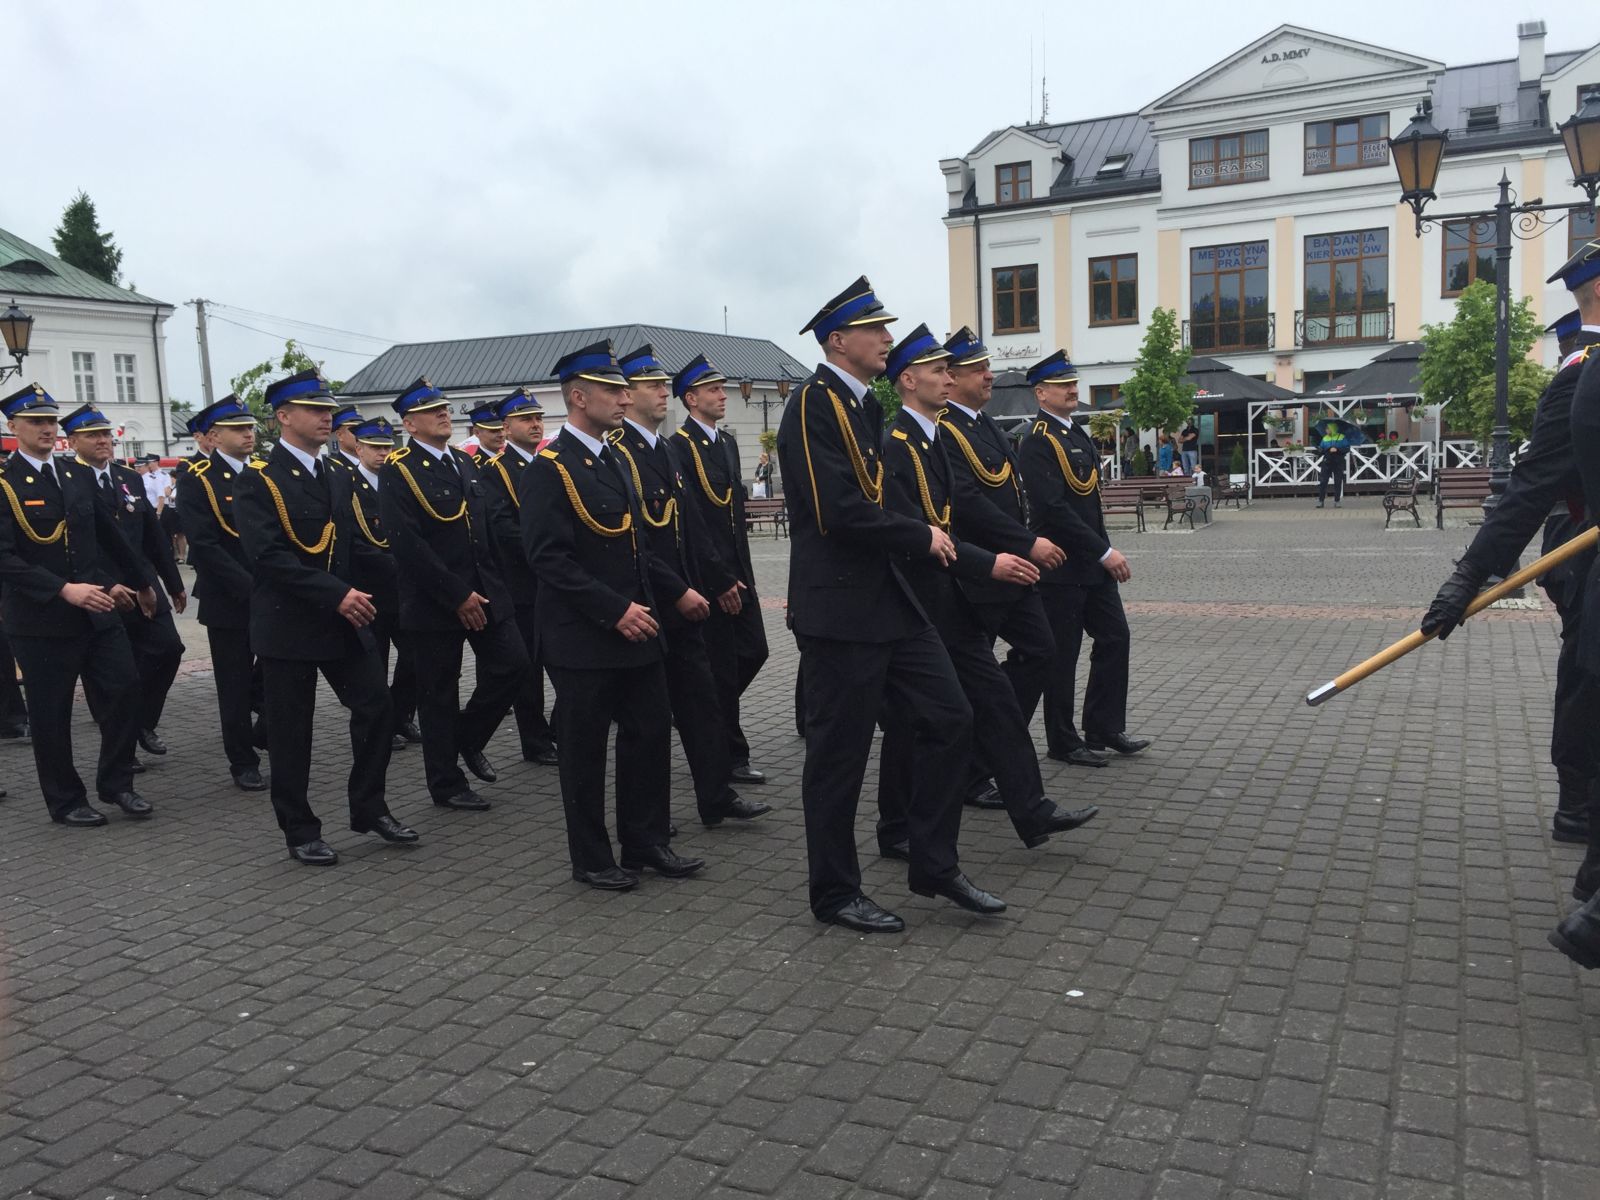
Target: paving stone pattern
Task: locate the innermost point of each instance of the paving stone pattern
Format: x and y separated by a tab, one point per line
1300	954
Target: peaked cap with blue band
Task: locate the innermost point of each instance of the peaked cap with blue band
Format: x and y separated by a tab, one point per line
1057	368
485	414
1583	267
856	305
85	419
519	403
698	373
419	397
193	425
965	348
31	401
918	346
375	431
641	366
348	415
597	363
308	388
1566	325
230	410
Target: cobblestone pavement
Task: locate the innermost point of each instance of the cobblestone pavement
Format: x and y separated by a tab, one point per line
1300	954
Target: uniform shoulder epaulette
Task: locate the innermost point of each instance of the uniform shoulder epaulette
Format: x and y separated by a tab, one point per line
548	453
899	433
614	436
397	455
257	464
1040	427
200	467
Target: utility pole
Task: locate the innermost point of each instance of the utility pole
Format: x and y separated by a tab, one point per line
205	350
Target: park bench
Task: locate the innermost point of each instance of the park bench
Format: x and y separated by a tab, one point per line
1460	487
1182	504
1123	496
760	512
1235	488
1401	496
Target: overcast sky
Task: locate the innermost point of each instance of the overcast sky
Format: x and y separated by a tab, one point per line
413	172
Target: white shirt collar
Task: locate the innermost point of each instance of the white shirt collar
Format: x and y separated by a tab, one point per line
439	455
711	430
309	461
510	445
368	475
99	472
971	412
650	438
349	458
850	381
1067	421
236	464
1590	329
36	463
927	426
593	445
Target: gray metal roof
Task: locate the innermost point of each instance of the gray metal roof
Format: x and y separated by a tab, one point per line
527	358
26	270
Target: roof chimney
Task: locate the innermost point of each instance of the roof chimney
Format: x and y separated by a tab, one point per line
1530	51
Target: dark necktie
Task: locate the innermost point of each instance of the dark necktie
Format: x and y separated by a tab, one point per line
107	490
47	469
316	468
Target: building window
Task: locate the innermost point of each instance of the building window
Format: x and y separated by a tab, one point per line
1114	290
1319	379
1114	166
1013	183
1484	118
1586	92
1106	396
1228	297
1580	231
1231	158
1347	288
1347	145
1016	299
1468	255
127	385
83	376
132	449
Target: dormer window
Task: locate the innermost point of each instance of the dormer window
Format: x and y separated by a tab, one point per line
1013	183
1484	118
1114	167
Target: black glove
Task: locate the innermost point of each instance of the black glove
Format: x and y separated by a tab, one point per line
1449	607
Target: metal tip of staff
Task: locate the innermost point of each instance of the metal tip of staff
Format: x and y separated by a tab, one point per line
1317	695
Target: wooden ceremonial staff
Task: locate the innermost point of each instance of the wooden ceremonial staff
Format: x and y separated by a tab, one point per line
1411	641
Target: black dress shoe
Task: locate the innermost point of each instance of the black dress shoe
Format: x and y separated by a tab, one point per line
1060	821
987	795
8	732
409	731
661	860
1587	881
479	765
467	801
1080	756
960	890
258	735
612	879
249	780
1120	742
150	742
315	853
1570	827
1578	935
396	742
900	850
81	817
138	767
131	803
545	756
864	916
388	829
736	809
745	773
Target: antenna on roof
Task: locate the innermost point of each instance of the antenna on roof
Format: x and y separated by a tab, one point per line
1030	80
1044	60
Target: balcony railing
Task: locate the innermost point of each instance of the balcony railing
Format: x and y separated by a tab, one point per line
1337	329
1224	337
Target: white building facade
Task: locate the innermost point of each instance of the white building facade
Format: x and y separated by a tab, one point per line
1258	201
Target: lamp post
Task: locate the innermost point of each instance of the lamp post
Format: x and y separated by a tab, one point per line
16	327
1418	153
767	402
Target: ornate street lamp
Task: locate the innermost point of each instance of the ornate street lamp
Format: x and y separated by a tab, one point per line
16	327
767	403
1418	153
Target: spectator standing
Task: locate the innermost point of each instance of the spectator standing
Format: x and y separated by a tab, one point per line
1163	454
1189	446
763	488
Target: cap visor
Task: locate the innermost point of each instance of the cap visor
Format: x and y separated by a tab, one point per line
877	318
612	380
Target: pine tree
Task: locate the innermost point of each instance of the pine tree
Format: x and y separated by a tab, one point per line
80	243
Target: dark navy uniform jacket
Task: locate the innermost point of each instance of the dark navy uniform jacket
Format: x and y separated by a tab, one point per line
223	581
1070	518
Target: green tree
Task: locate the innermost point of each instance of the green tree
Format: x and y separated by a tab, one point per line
888	399
1525	384
78	241
1159	394
251	385
1458	355
769	440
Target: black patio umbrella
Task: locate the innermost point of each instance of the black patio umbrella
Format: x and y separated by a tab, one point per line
1217	384
1390	379
1011	397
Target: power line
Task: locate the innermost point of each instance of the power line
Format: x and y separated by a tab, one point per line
272	334
371	337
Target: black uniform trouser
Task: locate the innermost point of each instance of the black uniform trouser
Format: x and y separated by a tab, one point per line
291	702
1332	468
13	711
446	729
1025	629
403	688
911	686
1577	711
233	669
157	652
587	702
736	647
51	667
1005	736
532	727
1073	612
698	718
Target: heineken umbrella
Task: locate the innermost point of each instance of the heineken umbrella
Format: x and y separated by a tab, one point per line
1011	397
1389	381
1217	385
